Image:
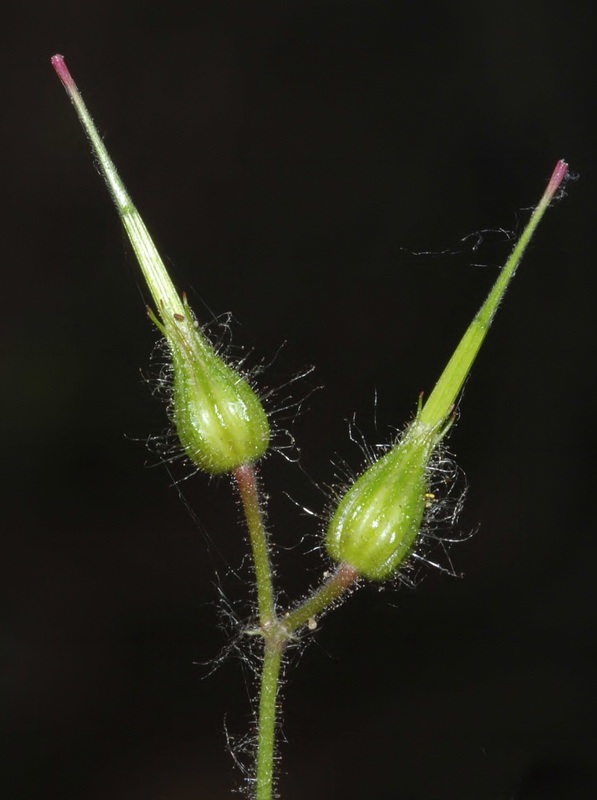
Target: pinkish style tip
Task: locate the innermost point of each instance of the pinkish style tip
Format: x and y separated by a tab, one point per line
556	179
63	73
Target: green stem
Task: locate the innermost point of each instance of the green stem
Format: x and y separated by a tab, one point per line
267	718
275	637
273	634
249	493
342	579
276	632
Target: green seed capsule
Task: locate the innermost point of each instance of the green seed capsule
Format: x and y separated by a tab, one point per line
219	419
378	519
380	516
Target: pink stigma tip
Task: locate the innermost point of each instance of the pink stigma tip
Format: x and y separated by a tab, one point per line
556	179
63	73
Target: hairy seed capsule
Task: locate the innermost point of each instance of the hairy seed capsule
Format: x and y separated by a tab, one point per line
219	419
378	519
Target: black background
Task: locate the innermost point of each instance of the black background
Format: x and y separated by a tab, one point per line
290	159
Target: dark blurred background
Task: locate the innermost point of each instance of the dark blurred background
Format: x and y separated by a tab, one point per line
291	160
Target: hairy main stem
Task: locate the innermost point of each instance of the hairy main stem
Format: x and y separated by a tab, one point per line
266	735
273	635
276	631
246	481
